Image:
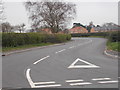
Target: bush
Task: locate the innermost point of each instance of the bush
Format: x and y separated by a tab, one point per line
112	36
18	39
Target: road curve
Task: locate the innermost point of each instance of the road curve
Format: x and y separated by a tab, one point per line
77	64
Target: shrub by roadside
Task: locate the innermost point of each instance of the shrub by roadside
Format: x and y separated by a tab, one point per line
19	39
113	46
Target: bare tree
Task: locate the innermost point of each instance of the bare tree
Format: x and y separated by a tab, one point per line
6	27
54	15
21	28
2	16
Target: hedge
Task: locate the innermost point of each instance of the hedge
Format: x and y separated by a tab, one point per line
18	39
112	36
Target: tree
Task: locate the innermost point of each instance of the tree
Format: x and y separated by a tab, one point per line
6	27
2	16
90	26
21	27
54	15
98	26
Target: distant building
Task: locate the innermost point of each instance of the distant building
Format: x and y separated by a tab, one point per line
78	29
107	27
46	30
92	30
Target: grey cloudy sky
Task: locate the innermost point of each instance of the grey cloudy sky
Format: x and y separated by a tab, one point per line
97	11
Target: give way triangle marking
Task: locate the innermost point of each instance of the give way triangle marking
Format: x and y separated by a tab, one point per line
89	65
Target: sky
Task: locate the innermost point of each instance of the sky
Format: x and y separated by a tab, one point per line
97	11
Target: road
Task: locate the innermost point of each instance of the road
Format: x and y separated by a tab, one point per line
80	63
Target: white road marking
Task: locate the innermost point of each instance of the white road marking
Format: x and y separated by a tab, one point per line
60	51
45	86
41	86
82	66
110	54
44	82
118	77
71	47
41	59
102	82
29	78
98	79
75	84
79	80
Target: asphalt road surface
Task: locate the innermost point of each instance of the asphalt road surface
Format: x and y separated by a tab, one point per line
80	63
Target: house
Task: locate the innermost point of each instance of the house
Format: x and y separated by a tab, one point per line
61	32
46	30
78	29
108	27
92	30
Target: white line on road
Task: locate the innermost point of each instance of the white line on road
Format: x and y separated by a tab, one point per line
75	84
110	54
102	82
71	47
45	86
79	80
29	78
44	82
60	51
83	66
41	59
98	79
41	86
89	65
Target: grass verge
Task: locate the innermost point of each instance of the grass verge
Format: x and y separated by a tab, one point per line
113	46
97	36
7	49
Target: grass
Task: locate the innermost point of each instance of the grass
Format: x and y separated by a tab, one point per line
97	36
7	49
113	46
110	45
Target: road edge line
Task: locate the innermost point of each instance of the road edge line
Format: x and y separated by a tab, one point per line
29	78
113	56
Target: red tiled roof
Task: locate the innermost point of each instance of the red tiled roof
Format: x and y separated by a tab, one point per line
78	30
46	29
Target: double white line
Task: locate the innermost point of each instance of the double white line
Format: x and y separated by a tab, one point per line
77	82
103	80
40	84
46	84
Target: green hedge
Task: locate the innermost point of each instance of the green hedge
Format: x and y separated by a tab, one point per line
112	36
18	39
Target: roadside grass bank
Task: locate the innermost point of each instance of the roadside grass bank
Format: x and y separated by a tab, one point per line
7	49
97	36
113	42
113	46
18	41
